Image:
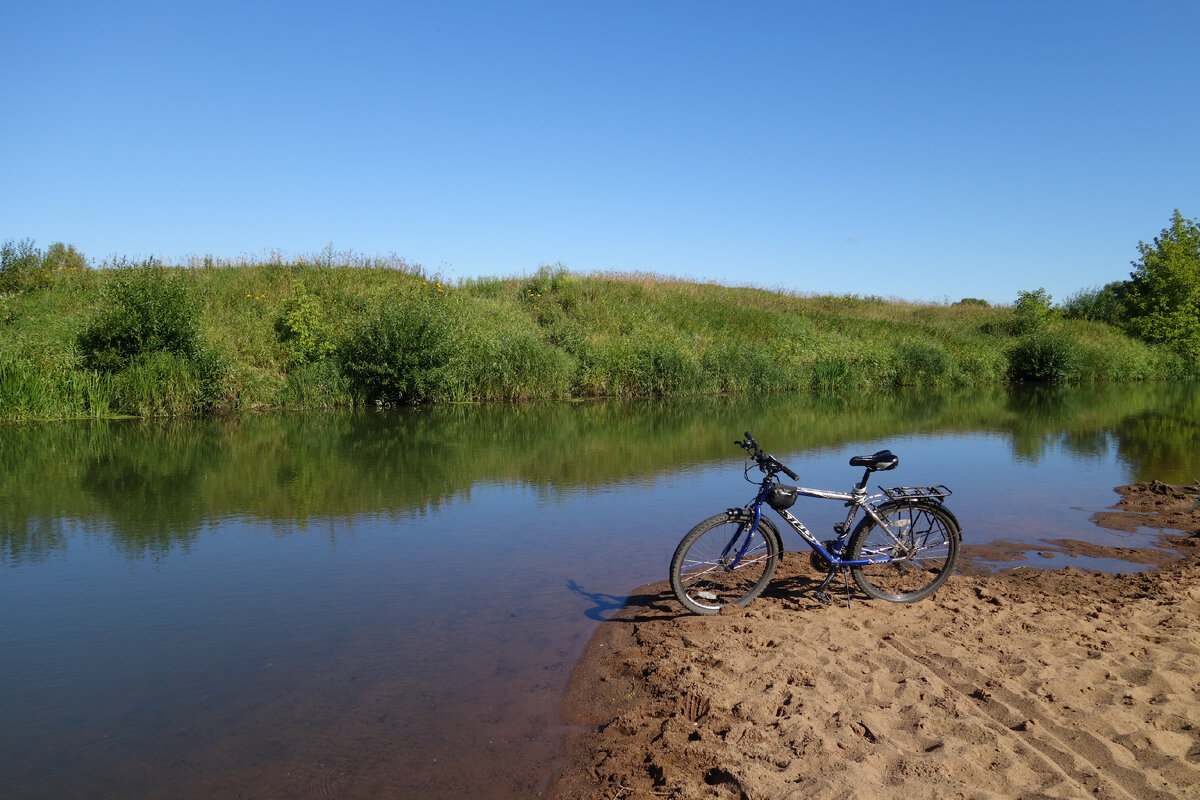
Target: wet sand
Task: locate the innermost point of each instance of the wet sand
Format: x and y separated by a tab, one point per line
1022	684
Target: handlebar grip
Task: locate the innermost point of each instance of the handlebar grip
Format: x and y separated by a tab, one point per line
789	473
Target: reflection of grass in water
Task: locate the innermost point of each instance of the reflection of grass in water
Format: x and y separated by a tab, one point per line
154	484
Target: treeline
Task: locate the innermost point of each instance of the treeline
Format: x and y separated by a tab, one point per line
338	330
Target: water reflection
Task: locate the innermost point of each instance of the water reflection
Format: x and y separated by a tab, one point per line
388	604
152	486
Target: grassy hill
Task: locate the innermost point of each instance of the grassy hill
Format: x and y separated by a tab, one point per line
148	340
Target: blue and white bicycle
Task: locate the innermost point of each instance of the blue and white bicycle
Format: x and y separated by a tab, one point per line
902	550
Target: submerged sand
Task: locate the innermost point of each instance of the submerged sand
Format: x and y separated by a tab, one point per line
1023	684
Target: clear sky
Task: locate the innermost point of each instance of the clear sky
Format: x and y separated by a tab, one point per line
918	150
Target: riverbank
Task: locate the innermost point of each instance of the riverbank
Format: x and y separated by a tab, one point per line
1026	683
334	332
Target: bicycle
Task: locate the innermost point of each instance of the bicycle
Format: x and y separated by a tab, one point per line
902	550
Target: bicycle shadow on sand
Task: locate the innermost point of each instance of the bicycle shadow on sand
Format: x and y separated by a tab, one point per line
794	586
625	608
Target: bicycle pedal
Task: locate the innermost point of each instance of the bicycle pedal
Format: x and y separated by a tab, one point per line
825	598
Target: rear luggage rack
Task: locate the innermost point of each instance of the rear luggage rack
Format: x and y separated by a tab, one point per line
915	492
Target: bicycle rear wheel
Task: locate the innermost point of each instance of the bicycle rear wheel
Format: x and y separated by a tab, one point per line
916	562
718	563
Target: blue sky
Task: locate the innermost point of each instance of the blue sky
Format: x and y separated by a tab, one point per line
917	150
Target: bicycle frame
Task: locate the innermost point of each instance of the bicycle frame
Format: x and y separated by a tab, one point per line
855	500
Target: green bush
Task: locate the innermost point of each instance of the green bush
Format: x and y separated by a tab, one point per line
22	267
923	364
147	338
1097	304
148	310
1045	356
301	329
63	258
401	354
1031	313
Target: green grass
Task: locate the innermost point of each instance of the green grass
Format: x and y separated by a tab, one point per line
341	331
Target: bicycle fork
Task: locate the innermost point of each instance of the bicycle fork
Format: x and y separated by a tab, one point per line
749	533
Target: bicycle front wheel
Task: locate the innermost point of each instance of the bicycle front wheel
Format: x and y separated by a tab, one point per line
720	563
913	558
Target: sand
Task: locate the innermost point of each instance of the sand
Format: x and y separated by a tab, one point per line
1024	684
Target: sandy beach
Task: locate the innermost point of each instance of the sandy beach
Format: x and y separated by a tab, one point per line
1022	684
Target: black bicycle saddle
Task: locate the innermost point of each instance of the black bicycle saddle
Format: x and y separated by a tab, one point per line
883	460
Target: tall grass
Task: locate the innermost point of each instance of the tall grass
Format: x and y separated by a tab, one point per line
338	329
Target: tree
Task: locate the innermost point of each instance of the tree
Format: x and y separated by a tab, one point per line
64	258
1032	311
1162	298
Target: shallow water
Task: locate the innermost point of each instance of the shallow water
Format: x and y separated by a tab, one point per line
389	604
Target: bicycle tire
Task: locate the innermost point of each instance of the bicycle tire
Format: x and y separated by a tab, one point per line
703	579
916	567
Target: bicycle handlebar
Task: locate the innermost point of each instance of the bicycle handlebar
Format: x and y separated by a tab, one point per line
766	463
785	470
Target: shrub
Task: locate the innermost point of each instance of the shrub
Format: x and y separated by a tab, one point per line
401	354
148	310
1031	312
63	258
1097	304
1051	357
301	329
22	267
923	364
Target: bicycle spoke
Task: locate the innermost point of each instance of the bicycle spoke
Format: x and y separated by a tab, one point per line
707	572
912	560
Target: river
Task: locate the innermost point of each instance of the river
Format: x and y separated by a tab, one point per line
389	603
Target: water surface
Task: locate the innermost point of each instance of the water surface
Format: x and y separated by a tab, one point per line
389	604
